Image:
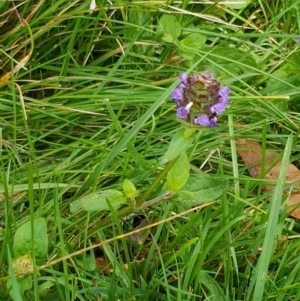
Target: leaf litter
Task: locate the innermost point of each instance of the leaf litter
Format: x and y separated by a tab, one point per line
268	163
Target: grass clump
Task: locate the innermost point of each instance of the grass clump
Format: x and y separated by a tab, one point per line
89	160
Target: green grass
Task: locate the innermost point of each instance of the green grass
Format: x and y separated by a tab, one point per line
85	104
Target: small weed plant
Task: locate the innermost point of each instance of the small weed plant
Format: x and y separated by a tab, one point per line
120	173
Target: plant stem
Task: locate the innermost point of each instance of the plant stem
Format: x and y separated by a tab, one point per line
141	203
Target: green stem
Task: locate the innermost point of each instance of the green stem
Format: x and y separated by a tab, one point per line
129	209
160	177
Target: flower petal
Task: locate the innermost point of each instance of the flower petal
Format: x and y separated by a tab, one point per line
218	108
177	94
182	112
183	78
202	120
213	122
205	120
224	91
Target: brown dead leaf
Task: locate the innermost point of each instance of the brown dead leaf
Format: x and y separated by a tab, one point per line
103	265
20	65
252	154
293	203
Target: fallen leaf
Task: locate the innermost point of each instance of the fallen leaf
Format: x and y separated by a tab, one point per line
252	154
103	265
293	205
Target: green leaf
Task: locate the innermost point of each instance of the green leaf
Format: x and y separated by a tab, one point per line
88	263
2	3
169	28
36	186
23	239
129	189
12	284
200	188
282	82
216	293
190	44
24	284
193	41
179	173
139	18
98	201
236	4
293	64
285	80
231	59
179	143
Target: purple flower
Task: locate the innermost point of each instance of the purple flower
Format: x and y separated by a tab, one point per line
218	108
200	98
224	91
181	86
177	95
213	122
223	95
298	40
204	120
183	78
183	112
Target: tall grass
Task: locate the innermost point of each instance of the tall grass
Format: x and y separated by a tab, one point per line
85	103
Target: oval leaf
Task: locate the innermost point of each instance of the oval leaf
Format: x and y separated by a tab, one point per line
23	239
213	287
231	59
179	173
99	201
193	42
169	28
129	189
200	188
24	284
179	143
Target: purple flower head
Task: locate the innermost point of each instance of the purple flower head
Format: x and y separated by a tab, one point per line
200	98
204	120
298	40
